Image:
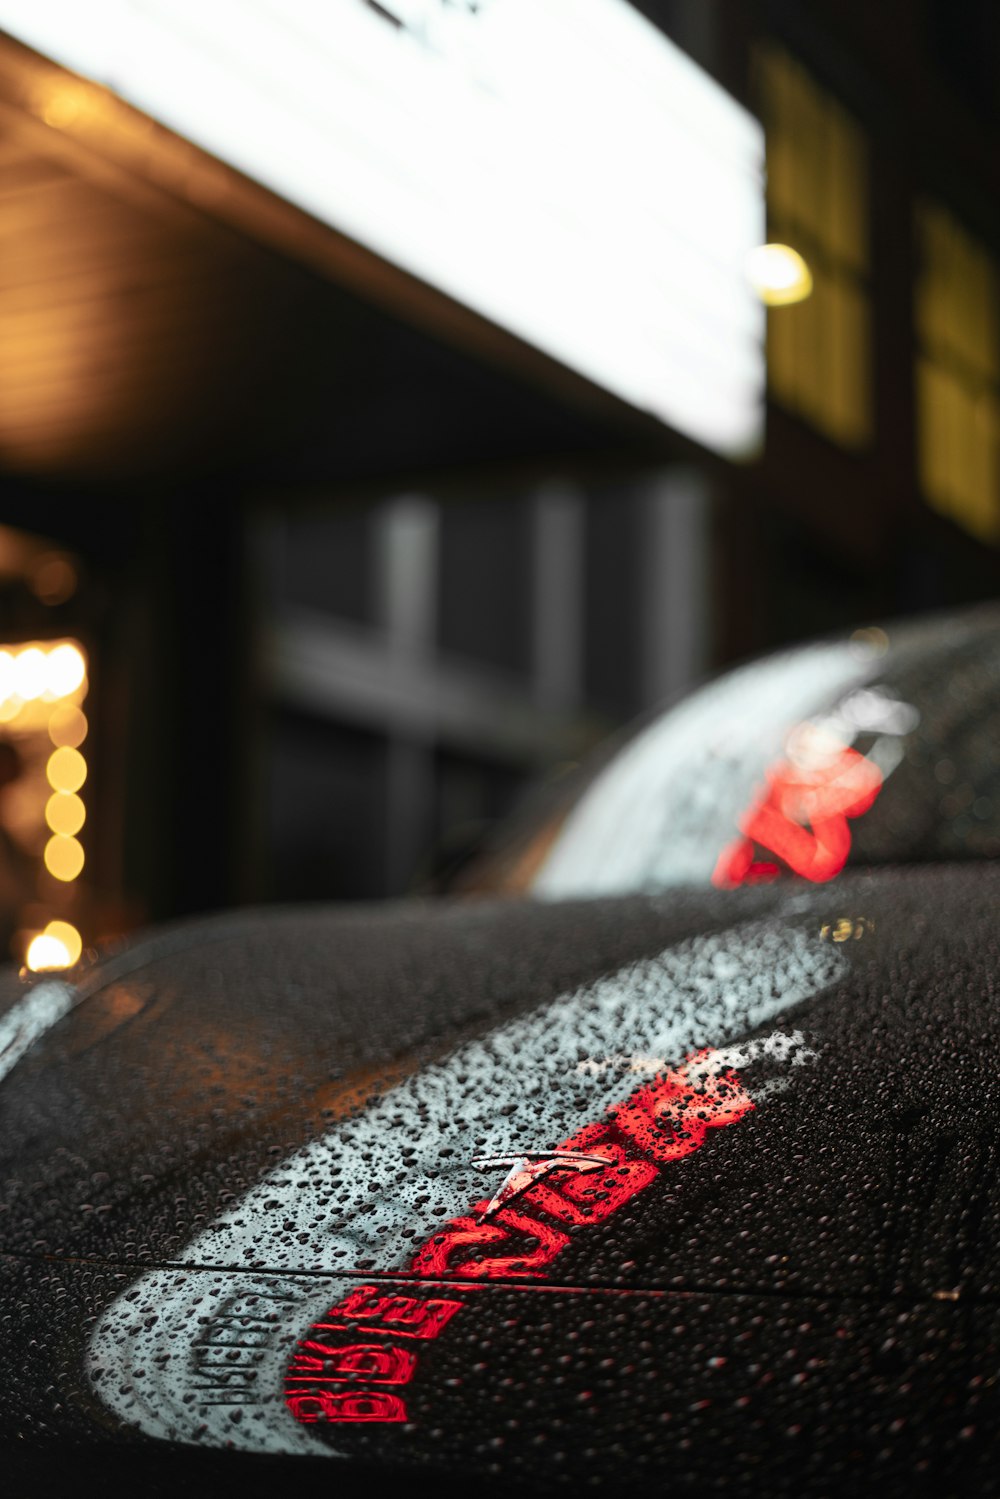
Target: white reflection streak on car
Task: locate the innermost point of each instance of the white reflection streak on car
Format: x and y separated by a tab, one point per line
707	991
28	1020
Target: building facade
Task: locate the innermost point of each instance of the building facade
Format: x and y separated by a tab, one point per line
357	563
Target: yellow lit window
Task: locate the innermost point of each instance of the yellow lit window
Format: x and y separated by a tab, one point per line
819	350
958	373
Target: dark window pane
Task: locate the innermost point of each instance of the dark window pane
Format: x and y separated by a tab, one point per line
326	564
325	811
611	654
471	796
485	582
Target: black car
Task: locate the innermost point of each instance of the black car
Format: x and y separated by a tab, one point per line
682	1187
881	747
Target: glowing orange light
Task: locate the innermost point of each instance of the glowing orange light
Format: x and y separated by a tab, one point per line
62	105
65	813
68	725
6	674
53	578
66	770
46	951
30	673
779	275
64	857
59	946
65	670
67	934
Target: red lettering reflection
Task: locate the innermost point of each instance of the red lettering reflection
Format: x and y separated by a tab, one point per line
595	1196
802	817
403	1316
355	1405
446	1253
671	1117
372	1362
331	1355
658	1124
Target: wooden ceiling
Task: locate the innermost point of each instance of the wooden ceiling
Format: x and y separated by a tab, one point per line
118	328
160	316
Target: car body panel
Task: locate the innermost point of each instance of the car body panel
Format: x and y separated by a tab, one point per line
256	1112
544	1387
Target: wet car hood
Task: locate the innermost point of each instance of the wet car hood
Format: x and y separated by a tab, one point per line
241	1205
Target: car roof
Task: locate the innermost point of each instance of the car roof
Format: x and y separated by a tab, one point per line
918	700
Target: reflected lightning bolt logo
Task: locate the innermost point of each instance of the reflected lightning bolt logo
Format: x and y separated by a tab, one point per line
526	1169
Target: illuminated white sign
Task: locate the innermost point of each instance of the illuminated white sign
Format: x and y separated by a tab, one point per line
557	165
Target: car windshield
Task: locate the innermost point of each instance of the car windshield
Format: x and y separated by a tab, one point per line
882	747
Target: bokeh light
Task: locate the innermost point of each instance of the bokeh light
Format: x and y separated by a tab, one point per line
64	857
67	934
66	770
39	671
870	641
63	104
65	670
59	946
779	275
53	578
68	725
65	813
42	683
30	673
45	951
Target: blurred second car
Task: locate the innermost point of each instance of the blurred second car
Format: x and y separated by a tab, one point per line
881	747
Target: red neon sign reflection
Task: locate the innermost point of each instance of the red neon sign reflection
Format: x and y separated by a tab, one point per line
354	1405
659	1123
802	818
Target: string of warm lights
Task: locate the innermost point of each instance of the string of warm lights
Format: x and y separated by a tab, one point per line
42	688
